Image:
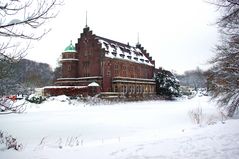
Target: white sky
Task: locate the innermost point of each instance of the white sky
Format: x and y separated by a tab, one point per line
179	35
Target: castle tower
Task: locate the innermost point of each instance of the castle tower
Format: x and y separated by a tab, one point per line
69	62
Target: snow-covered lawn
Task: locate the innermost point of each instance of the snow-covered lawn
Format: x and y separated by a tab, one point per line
136	130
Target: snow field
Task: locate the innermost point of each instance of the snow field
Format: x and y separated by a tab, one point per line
150	129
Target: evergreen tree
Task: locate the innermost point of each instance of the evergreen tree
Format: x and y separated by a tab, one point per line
167	84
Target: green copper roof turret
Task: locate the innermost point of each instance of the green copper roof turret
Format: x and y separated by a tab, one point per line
70	48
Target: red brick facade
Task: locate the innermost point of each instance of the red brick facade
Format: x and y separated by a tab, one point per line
115	66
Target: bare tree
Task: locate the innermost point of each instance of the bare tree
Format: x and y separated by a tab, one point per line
224	75
20	19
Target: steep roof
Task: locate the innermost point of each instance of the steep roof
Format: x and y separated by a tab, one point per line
122	51
70	48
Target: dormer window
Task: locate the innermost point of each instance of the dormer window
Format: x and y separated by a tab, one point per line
129	57
114	53
136	58
127	50
113	46
106	45
122	55
136	53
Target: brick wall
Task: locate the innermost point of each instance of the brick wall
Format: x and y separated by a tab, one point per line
89	55
71	91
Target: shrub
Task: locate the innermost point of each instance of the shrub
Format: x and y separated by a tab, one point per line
35	99
10	142
196	115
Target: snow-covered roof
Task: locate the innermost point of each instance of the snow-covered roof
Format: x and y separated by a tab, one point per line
70	59
60	87
81	78
93	84
122	51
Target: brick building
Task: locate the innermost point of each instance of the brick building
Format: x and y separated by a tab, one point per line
115	66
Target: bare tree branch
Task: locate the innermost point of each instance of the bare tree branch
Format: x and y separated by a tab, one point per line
223	78
234	2
21	21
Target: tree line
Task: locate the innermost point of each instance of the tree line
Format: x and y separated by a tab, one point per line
24	76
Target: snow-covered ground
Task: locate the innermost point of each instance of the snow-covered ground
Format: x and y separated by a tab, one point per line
135	130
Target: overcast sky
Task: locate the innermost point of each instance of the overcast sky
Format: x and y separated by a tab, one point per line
178	34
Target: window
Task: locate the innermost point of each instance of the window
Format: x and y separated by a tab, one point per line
133	89
131	71
113	46
122	55
116	88
129	57
114	53
69	68
127	50
124	70
86	68
86	52
124	67
137	89
106	45
108	73
124	88
116	69
136	71
146	73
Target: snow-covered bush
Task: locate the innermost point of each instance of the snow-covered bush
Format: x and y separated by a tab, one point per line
9	142
202	92
61	98
96	101
196	115
37	99
187	91
167	84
